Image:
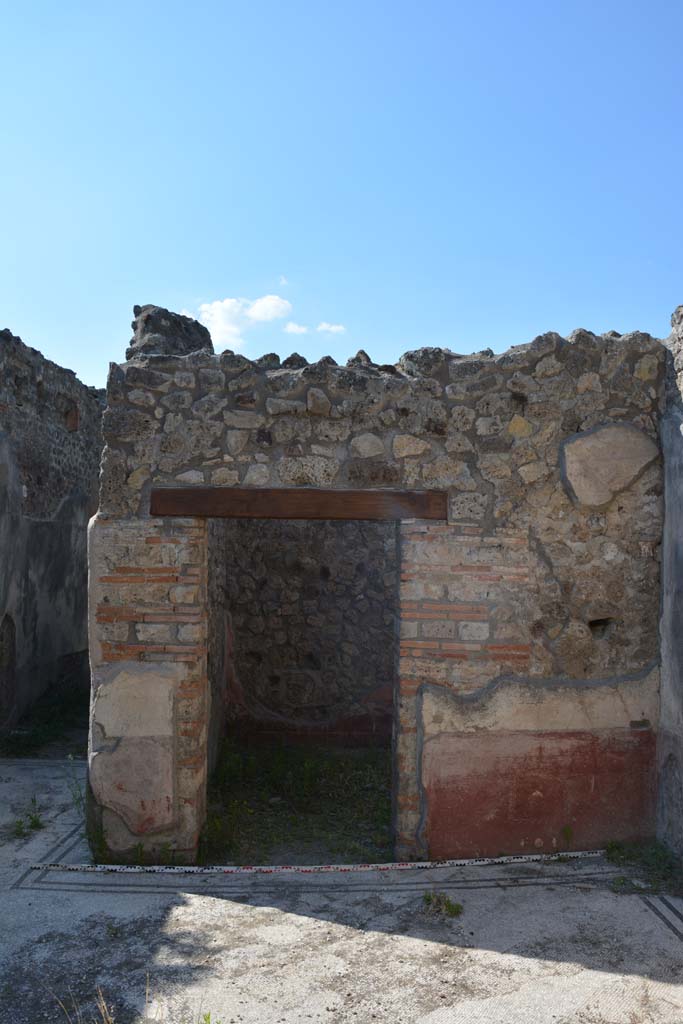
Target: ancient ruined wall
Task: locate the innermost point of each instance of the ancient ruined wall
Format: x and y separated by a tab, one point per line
314	615
219	636
670	739
50	446
151	700
527	697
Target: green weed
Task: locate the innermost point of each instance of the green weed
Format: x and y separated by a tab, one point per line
166	854
567	833
439	903
19	829
35	822
656	868
30	821
97	843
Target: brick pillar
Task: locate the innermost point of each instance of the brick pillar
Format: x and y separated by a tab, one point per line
463	622
149	706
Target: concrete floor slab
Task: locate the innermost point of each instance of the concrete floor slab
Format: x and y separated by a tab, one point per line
536	942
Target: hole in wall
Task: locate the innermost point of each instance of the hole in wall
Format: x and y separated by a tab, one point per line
600	627
519	402
71	416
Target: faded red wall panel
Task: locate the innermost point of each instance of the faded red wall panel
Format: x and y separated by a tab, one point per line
525	792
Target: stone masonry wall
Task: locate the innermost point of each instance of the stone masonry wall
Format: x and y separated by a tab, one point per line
220	663
527	700
150	705
499	753
314	615
670	738
50	447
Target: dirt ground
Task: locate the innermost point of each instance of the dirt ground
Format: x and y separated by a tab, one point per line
278	803
535	942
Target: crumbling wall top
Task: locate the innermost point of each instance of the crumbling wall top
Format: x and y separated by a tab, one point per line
164	340
51	424
157	330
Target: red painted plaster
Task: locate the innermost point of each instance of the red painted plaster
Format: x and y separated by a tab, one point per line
527	792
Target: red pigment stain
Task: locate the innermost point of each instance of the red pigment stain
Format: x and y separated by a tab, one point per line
511	793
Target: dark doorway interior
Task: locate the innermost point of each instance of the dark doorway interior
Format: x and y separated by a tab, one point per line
309	610
8	666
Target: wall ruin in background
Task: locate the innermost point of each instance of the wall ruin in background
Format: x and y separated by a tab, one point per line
50	447
670	740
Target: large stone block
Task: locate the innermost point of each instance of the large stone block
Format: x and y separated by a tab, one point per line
599	463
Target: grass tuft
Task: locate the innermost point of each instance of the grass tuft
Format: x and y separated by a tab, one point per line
657	868
441	904
73	1014
30	821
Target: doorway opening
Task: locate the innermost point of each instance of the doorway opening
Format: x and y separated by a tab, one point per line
8	667
302	663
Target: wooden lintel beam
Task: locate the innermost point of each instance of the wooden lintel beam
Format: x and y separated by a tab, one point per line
297	503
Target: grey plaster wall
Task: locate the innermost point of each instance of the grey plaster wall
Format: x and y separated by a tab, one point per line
670	737
50	443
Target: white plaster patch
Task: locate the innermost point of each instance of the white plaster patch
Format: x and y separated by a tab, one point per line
522	706
139	702
137	781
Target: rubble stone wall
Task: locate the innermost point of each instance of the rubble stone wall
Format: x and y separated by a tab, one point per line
670	738
50	447
219	636
527	692
314	608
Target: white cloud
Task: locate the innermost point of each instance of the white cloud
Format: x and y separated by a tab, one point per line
225	320
283	280
331	328
269	307
228	319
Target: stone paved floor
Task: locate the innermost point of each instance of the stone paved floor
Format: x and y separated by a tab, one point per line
536	943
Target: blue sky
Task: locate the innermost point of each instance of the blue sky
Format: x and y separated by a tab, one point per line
459	174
